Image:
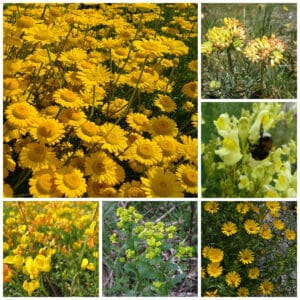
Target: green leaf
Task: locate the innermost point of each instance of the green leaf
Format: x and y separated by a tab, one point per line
178	278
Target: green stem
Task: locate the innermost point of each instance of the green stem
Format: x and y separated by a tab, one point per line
231	65
262	77
43	287
93	105
23	177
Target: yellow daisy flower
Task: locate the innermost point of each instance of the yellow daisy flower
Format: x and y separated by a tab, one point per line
214	269
37	156
88	132
266	287
265	232
40	33
115	108
67	98
90	99
165	103
215	255
243	292
25	22
137	121
41	185
47	131
73	56
113	138
146	152
161	183
94	75
189	148
211	207
151	48
21	115
246	256
278	224
253	273
72	116
163	125
229	228
290	234
193	65
131	190
169	147
101	168
233	279
70	182
188	176
251	226
96	189
190	89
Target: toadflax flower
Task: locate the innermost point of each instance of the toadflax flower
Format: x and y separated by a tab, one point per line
230	151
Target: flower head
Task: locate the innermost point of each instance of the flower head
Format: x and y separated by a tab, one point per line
229	228
233	279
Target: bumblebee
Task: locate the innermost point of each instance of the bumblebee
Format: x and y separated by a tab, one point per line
262	150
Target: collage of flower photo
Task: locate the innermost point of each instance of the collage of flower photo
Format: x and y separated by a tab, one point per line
101	105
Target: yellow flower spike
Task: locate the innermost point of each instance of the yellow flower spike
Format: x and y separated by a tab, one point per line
31	286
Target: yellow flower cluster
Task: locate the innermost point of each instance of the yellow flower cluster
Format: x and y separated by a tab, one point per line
232	34
266	50
92	102
152	235
39	234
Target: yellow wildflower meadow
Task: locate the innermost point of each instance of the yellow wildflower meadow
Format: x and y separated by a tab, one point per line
100	101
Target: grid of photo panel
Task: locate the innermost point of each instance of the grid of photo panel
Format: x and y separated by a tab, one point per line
100	149
105	127
248	149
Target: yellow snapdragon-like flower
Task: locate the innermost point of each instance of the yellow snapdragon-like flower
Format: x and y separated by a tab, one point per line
230	151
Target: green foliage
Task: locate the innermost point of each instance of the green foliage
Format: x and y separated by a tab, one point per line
148	258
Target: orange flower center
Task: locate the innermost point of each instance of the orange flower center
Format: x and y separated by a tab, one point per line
99	167
21	111
167	146
72	181
45	183
89	129
190	177
43	35
162	127
37	153
47	129
135	192
68	96
112	138
145	150
139	120
74	115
